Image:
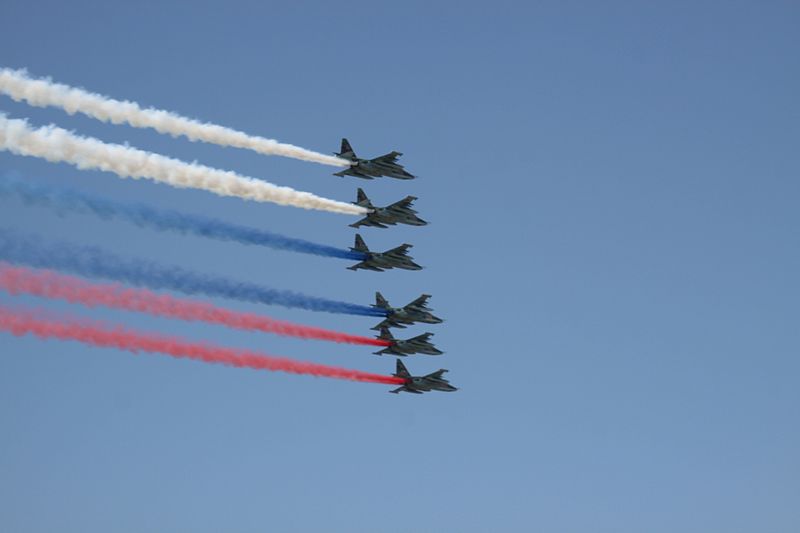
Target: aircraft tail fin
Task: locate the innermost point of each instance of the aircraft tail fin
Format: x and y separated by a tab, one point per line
346	151
386	335
362	200
380	301
360	245
401	371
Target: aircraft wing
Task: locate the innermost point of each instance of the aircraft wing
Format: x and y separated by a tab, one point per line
405	389
402	205
390	158
420	303
391	350
421	338
367	222
400	250
366	266
439	374
389	322
352	171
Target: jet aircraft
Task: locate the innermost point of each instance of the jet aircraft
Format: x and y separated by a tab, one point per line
394	258
418	344
382	217
420	384
398	317
385	165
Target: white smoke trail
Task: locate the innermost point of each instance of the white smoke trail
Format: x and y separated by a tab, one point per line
59	145
43	92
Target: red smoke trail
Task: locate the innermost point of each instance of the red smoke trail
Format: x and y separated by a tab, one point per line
48	284
26	323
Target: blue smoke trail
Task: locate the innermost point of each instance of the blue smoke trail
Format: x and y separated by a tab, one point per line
163	220
91	261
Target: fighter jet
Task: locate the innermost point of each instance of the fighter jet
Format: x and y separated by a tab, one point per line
394	258
398	317
418	344
420	384
385	165
382	217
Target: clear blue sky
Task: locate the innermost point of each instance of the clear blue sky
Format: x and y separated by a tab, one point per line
612	189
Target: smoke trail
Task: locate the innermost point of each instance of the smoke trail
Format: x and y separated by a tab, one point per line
48	284
59	145
21	322
164	220
44	92
90	261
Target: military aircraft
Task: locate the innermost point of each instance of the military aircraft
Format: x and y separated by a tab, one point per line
385	165
382	217
418	344
420	384
397	317
394	258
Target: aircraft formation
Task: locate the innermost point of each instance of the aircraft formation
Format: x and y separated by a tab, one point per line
30	266
399	212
